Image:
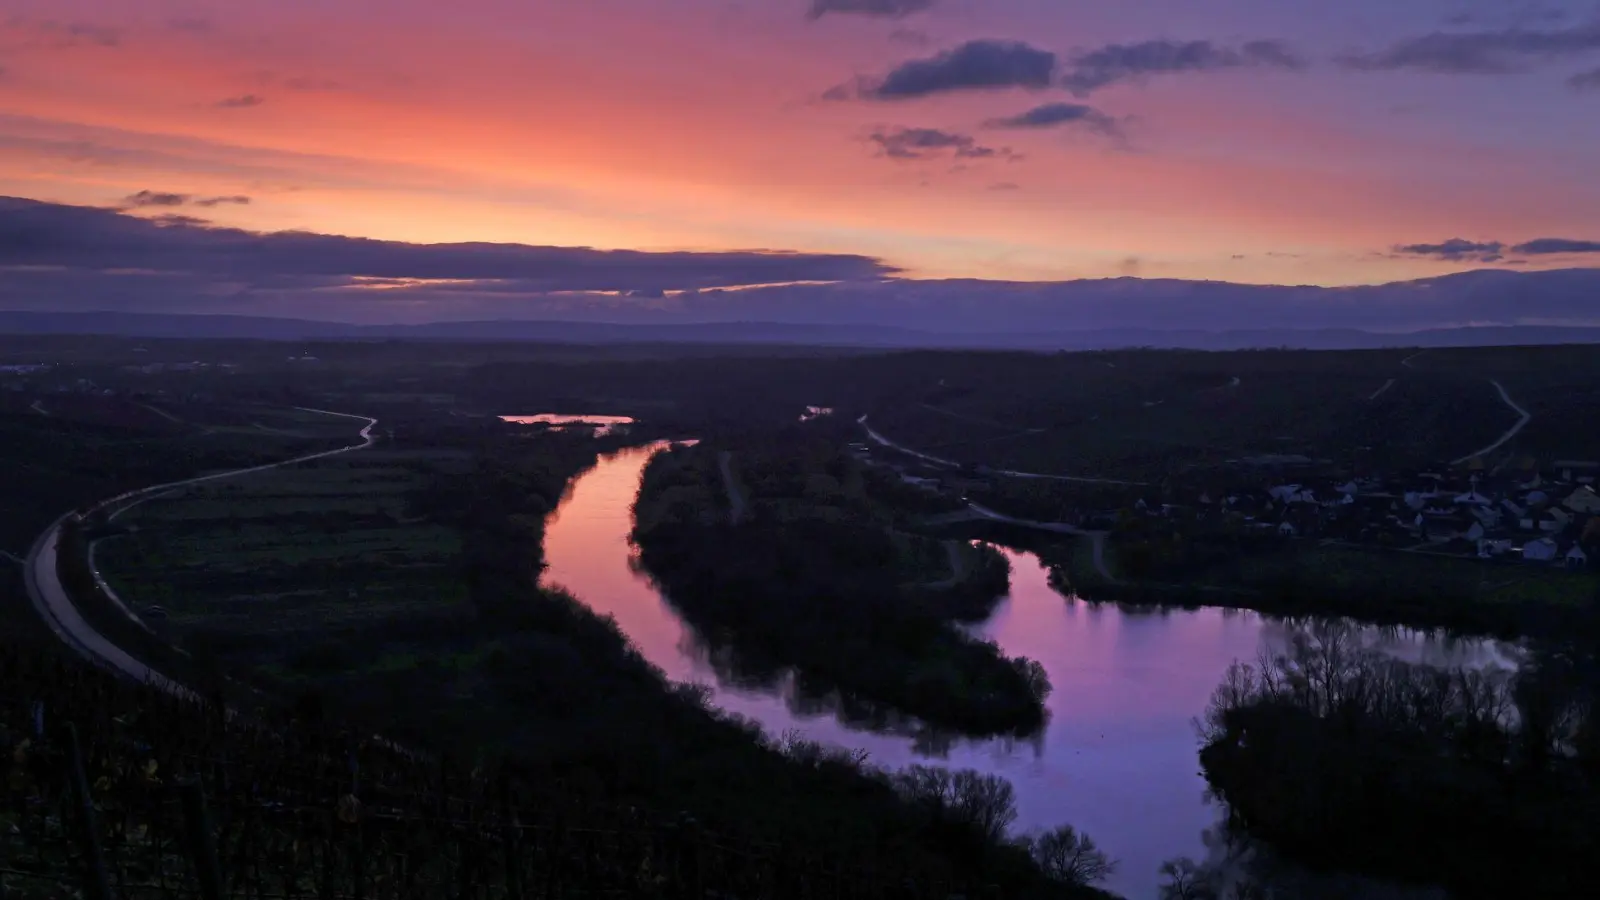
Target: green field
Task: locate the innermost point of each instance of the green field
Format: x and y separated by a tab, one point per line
277	560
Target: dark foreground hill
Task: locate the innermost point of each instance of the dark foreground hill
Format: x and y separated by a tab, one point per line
298	808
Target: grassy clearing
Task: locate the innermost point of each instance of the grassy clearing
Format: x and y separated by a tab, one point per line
1350	569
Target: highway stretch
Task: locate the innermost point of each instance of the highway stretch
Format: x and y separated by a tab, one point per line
55	606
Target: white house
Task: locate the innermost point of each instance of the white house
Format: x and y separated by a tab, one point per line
1287	529
1284	492
1555	519
1576	558
1583	500
1542	550
1488	548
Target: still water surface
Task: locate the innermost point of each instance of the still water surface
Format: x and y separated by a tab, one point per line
602	425
1118	759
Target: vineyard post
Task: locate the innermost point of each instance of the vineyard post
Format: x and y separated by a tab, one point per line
95	884
358	852
694	843
202	842
509	833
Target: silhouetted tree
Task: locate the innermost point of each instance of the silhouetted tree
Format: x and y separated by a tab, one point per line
1068	856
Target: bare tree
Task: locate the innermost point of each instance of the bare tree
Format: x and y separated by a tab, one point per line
986	802
1069	857
1186	880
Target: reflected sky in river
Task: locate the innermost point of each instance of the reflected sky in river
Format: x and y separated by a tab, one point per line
1118	759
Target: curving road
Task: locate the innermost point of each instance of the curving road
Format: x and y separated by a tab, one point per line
1097	539
1010	473
1510	432
735	498
55	606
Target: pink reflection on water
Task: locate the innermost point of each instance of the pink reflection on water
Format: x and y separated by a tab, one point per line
587	552
603	425
1119	756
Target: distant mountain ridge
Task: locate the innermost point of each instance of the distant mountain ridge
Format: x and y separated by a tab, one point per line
162	325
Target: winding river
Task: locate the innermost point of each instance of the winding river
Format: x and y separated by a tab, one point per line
1118	759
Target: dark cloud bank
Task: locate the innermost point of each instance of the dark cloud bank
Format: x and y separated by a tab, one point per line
88	239
77	259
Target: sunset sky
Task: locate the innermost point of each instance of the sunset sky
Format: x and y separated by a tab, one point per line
1267	141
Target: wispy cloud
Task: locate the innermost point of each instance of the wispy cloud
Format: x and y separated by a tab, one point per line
996	65
892	9
926	143
1463	250
975	65
1481	52
1456	249
1585	81
145	199
153	198
1115	63
243	101
1542	246
49	32
1059	115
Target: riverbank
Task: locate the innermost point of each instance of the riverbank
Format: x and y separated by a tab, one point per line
1301	579
814	575
1463	597
529	675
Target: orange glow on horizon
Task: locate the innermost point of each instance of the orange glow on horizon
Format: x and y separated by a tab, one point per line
451	134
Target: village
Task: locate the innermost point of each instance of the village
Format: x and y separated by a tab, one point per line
1521	513
1536	515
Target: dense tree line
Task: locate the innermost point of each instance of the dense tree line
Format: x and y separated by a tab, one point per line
1485	782
824	589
